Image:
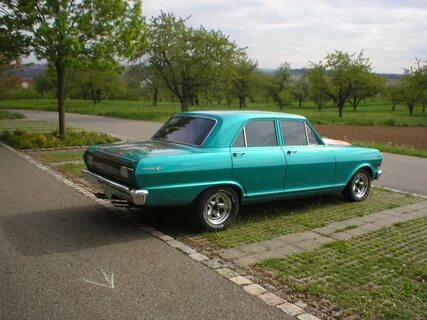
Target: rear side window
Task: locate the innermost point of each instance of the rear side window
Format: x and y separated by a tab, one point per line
294	133
261	133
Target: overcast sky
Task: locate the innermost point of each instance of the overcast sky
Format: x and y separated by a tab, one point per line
392	33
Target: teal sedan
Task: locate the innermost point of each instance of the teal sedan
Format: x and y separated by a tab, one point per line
216	161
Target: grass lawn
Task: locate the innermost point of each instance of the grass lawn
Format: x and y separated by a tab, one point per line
376	112
59	156
267	221
72	170
32	126
10	115
381	275
408	151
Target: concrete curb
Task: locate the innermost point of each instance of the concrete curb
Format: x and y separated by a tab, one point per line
246	284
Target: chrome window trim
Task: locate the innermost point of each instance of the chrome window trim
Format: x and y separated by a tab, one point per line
306	133
244	137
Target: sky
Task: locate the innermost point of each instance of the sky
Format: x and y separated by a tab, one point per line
391	33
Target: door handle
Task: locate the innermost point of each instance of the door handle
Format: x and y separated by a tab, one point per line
291	152
238	154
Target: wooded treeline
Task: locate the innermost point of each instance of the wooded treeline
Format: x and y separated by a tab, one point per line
86	43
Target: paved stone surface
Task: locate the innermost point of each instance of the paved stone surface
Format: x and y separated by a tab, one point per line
291	309
52	237
226	272
400	172
297	242
240	280
271	299
252	248
307	316
254	289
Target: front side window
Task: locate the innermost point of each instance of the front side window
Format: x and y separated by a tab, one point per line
185	130
261	133
312	140
240	141
294	133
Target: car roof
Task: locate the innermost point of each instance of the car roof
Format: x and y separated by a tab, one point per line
246	114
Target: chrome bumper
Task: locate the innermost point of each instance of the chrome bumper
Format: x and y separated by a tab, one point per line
112	188
379	173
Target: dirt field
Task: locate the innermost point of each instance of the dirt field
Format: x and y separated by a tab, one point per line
398	136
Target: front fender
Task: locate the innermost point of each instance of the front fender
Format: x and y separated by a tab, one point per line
368	166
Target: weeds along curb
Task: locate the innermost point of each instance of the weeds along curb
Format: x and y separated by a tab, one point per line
245	283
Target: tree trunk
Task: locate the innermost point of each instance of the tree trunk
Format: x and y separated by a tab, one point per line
92	92
340	108
300	102
242	102
60	93
319	107
184	104
424	107
411	108
393	108
155	96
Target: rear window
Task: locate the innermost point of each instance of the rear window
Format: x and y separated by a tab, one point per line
185	130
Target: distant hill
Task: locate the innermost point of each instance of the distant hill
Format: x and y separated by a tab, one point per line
390	77
31	71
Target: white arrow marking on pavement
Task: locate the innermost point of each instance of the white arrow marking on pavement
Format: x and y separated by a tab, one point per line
110	281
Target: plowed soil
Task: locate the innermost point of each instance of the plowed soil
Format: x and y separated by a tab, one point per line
397	136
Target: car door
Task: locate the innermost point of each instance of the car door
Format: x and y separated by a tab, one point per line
310	163
258	160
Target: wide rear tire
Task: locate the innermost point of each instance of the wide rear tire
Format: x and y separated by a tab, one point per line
217	208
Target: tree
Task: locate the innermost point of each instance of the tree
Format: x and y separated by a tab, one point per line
244	79
300	89
394	92
186	58
68	32
44	83
146	79
280	86
414	85
93	83
339	72
366	85
315	88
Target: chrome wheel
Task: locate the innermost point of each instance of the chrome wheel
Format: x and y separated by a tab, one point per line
218	208
360	185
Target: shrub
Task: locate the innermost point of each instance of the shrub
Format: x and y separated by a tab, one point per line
11	115
21	139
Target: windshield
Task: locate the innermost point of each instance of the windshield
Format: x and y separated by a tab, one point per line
185	130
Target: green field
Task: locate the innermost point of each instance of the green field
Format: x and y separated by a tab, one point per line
381	275
374	112
267	221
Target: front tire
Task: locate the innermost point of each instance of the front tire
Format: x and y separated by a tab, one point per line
359	186
217	208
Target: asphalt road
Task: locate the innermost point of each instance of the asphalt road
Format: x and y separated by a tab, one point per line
52	238
400	172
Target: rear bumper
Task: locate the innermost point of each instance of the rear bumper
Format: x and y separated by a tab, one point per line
379	173
112	188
